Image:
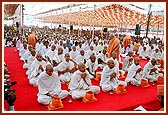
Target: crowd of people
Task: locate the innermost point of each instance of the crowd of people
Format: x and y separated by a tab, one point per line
53	58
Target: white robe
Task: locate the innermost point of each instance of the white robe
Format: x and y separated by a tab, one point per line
155	55
105	82
133	77
116	63
143	54
34	71
78	87
29	62
96	48
160	53
18	44
122	50
92	67
49	84
127	63
65	50
104	58
51	54
78	49
151	76
89	53
63	66
25	57
44	50
73	55
39	47
80	59
58	58
129	49
140	49
22	54
150	52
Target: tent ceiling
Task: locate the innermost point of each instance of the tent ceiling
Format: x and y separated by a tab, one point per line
9	9
114	16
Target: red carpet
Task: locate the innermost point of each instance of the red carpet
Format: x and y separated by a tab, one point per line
27	94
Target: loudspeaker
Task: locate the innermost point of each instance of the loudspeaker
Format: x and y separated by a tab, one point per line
105	30
17	24
71	27
137	29
59	25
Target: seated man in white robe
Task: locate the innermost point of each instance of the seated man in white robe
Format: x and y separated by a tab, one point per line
80	83
49	86
151	71
21	46
73	54
44	49
96	47
22	51
66	68
30	60
26	56
129	48
50	53
58	58
144	54
91	66
90	52
122	50
109	78
65	49
155	54
160	48
134	76
39	46
140	48
37	67
18	43
102	59
116	63
127	61
80	47
114	58
150	50
81	57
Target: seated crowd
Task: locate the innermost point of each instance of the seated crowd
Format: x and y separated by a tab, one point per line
76	61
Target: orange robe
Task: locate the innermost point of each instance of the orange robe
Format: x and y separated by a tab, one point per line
136	47
32	40
114	44
126	41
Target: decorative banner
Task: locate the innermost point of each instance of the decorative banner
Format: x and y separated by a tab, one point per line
112	16
9	9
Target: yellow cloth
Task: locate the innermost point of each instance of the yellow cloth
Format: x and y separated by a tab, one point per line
136	47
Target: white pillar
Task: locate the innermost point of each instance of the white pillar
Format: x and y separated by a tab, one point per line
94	20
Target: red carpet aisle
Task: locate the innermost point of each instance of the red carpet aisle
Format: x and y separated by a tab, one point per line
27	94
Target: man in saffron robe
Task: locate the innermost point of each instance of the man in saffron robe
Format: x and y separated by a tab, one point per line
32	39
126	41
113	47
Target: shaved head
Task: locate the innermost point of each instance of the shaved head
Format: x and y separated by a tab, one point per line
49	66
81	65
49	69
110	61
